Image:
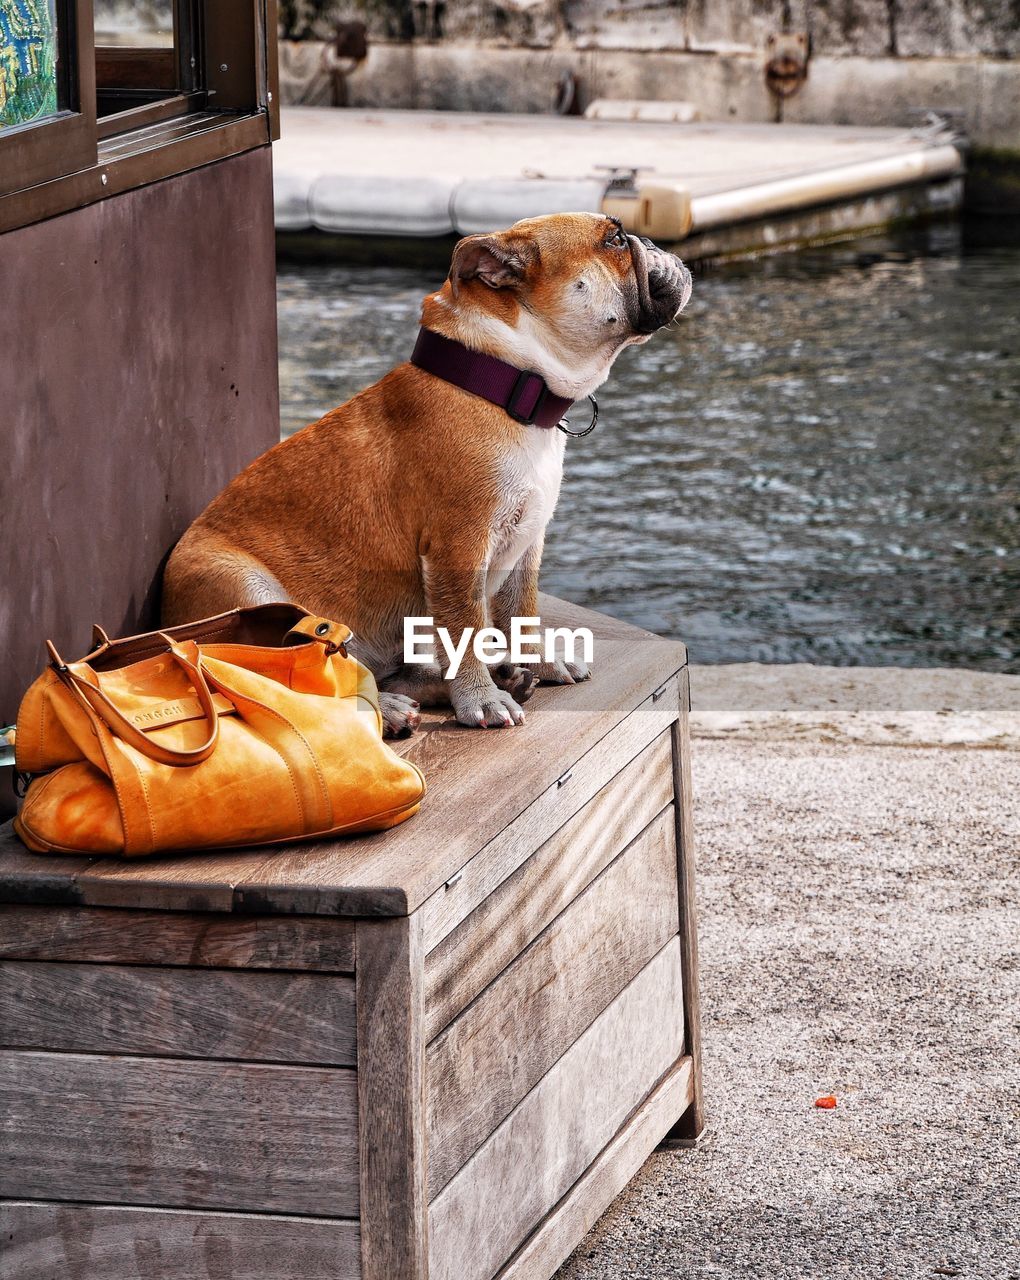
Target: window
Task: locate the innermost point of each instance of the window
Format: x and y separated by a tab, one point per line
146	62
47	116
97	96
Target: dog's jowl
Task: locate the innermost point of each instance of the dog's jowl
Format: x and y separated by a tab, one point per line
428	494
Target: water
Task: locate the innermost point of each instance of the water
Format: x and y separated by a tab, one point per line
818	465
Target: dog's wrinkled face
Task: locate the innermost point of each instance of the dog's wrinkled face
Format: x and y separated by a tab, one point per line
562	295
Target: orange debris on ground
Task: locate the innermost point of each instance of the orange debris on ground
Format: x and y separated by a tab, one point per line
827	1103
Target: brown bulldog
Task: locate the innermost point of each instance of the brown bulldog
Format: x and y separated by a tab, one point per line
428	494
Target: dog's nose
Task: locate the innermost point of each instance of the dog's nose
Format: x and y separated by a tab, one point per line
664	285
669	288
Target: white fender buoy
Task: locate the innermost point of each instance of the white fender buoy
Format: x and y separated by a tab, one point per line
290	201
492	203
371	205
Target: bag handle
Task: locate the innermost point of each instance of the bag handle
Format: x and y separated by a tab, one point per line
96	703
99	637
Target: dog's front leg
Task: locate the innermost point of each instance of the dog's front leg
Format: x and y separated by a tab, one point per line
517	597
456	596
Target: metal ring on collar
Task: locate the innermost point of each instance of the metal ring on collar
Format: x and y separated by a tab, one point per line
564	423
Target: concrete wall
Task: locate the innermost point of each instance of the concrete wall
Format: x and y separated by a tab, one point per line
466	76
873	61
867	28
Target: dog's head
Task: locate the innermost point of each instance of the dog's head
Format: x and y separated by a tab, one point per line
561	295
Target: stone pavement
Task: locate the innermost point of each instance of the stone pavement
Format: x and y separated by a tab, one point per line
860	936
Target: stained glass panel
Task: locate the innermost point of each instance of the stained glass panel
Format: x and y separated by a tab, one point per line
28	61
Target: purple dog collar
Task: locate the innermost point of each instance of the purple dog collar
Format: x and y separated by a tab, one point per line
523	395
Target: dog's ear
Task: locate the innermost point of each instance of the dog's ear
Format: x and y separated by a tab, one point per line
491	259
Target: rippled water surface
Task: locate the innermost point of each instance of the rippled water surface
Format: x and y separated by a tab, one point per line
819	464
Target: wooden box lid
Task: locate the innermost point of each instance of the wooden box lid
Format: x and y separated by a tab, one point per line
479	782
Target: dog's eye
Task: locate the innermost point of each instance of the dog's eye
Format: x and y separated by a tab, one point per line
617	238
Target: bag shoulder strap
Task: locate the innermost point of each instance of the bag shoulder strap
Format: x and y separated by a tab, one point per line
95	703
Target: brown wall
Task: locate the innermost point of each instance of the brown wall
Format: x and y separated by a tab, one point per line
138	374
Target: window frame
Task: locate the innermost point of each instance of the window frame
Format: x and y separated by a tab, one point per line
170	75
227	102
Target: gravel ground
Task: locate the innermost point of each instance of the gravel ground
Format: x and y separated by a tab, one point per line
860	936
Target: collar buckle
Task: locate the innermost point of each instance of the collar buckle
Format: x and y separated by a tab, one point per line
490	378
526	419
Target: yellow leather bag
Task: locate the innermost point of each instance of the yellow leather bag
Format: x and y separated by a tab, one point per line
254	727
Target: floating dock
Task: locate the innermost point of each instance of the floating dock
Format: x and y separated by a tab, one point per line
347	178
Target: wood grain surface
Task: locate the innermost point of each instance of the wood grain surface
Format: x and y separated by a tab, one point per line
187	1013
501	857
391	1104
501	1046
502	925
100	1242
541	1149
102	936
179	1134
479	783
570	1220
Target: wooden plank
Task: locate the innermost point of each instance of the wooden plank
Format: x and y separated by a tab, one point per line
394	873
98	935
391	1100
568	1223
27	877
546	1144
501	857
182	1013
55	880
503	924
551	993
690	1125
99	1242
180	1134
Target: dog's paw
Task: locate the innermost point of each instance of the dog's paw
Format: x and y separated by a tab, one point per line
486	708
519	682
562	672
401	715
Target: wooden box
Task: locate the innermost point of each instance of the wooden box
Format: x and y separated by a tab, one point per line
436	1052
